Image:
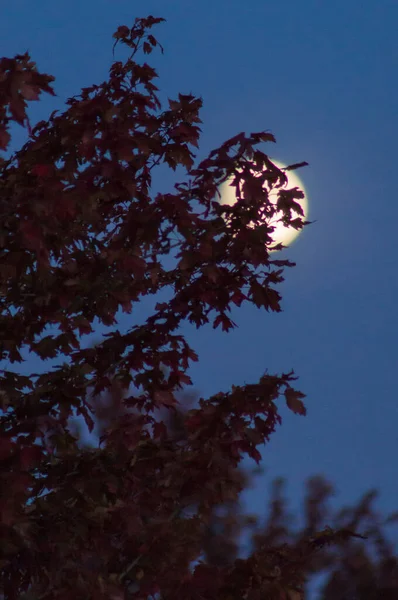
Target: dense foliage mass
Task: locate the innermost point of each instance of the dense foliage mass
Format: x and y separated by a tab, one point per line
81	239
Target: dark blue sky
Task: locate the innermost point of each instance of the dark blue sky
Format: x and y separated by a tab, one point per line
322	76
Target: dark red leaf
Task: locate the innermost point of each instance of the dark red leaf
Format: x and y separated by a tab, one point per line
293	401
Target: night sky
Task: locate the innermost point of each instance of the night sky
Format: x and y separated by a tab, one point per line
322	76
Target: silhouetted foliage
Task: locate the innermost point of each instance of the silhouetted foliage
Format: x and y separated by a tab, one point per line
153	510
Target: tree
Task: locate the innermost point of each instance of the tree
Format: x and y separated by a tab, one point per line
81	239
351	569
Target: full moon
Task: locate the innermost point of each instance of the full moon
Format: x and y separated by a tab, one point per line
281	234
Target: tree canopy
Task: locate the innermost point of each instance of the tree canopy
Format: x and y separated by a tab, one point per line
82	239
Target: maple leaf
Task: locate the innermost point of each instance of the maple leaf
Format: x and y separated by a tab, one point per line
29	91
46	347
224	321
121	32
265	296
293	401
83	325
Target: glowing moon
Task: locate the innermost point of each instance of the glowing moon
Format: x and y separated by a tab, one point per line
281	234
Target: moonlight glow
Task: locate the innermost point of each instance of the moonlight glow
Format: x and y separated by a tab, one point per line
281	234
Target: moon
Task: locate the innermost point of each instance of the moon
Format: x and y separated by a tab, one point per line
281	234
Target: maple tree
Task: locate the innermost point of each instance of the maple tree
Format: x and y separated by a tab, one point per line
354	567
360	567
81	239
